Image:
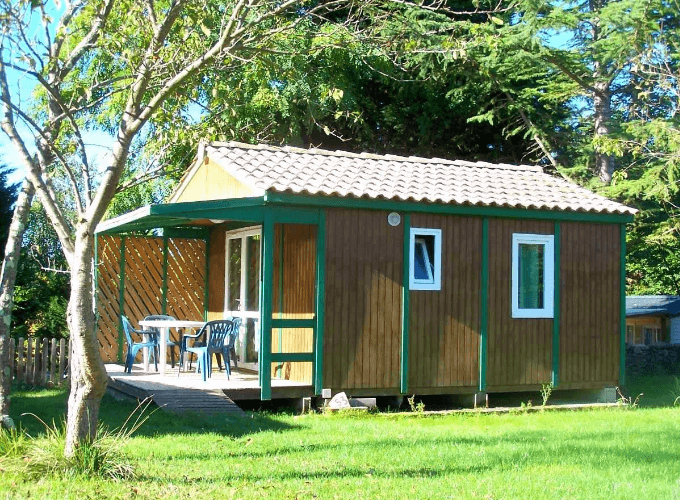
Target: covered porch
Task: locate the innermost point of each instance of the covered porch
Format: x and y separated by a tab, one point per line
208	260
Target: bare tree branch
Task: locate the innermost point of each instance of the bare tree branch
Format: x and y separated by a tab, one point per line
33	169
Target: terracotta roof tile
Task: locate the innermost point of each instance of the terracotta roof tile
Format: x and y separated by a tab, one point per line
434	180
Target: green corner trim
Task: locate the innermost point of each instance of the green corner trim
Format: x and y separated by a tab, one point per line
320	301
622	349
556	309
405	305
121	299
266	307
206	297
484	306
164	289
440	208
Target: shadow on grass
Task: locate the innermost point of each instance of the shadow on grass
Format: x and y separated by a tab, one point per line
50	405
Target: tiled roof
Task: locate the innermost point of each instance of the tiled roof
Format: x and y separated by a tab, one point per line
433	180
644	305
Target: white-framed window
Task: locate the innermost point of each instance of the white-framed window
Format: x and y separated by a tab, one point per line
651	334
425	259
533	275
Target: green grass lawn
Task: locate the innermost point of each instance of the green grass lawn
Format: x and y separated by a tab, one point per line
613	453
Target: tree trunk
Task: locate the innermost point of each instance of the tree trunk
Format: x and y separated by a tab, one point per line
88	374
5	380
603	112
8	275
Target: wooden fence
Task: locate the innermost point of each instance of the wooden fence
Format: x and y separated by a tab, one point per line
39	362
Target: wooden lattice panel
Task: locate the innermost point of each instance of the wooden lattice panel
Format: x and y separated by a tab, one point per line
143	283
143	277
108	295
186	278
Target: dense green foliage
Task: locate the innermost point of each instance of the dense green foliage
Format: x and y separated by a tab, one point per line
42	286
615	453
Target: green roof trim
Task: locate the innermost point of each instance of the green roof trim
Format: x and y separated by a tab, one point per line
440	208
179	214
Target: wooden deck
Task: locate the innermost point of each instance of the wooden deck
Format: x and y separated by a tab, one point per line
241	385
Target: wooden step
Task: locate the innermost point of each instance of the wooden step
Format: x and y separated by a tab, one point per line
211	401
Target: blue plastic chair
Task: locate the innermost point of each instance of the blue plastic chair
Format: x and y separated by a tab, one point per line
134	347
217	334
171	343
230	348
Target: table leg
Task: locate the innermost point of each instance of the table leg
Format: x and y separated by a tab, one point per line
145	354
163	349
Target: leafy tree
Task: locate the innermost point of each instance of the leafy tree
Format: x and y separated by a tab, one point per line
396	96
120	66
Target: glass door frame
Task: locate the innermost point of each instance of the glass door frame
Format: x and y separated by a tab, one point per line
245	315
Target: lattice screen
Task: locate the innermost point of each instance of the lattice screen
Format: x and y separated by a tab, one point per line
146	282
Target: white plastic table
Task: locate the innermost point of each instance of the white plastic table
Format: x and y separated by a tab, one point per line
164	326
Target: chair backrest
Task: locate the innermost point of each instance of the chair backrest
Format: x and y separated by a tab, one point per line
161	317
219	330
234	331
127	328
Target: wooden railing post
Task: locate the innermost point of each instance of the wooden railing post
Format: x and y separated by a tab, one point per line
54	378
12	364
20	360
62	361
36	363
29	361
45	361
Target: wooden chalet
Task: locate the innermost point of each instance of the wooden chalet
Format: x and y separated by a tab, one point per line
379	275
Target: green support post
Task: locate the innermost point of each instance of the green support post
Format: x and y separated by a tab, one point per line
405	304
164	289
281	269
484	305
121	299
266	307
320	301
556	310
622	348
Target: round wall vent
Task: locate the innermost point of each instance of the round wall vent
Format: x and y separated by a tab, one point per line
394	219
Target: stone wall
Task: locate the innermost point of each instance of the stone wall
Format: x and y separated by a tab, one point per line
657	359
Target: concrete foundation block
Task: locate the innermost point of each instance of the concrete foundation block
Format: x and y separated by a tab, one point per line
607	395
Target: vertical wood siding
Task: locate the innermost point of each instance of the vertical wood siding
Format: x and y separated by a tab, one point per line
362	327
519	350
298	299
444	325
216	263
590	303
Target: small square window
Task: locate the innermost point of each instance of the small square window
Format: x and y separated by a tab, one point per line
533	278
425	259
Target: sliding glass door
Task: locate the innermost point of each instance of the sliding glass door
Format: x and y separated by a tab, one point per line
242	291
